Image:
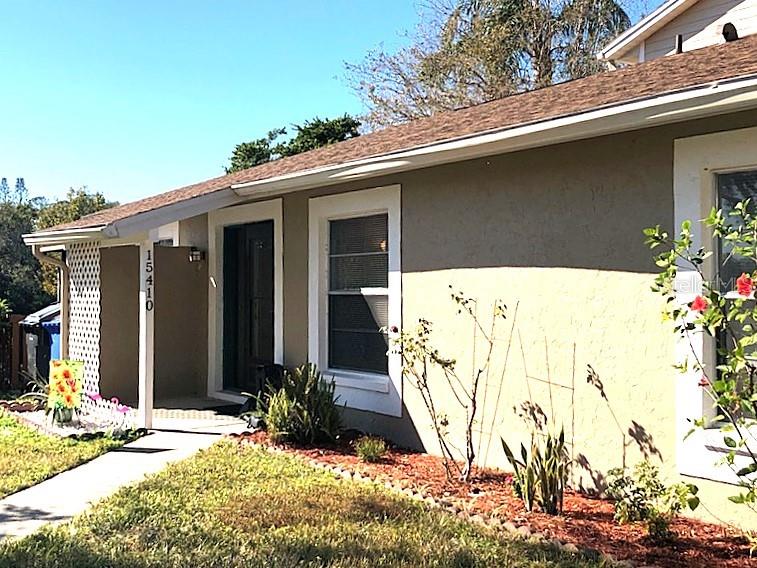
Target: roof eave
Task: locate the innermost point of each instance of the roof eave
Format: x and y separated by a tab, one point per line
139	223
64	236
699	101
696	102
643	29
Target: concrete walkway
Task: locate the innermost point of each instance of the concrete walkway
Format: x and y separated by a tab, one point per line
73	491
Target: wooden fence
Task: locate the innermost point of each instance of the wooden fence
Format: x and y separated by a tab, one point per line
11	353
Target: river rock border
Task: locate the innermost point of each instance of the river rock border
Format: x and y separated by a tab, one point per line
486	521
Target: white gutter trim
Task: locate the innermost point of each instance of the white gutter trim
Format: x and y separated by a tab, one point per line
505	140
644	28
140	222
63	235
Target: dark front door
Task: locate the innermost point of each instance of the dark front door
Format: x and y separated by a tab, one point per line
248	304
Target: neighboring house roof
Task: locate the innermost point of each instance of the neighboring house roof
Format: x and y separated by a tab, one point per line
48	313
651	81
647	26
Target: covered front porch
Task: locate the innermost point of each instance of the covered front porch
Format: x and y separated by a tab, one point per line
197	309
147	317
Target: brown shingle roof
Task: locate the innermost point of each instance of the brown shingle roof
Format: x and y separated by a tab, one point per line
663	75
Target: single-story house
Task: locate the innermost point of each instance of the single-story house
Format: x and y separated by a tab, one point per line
538	200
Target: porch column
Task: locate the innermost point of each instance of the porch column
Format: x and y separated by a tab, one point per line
146	332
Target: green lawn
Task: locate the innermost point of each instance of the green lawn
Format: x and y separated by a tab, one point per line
233	506
28	457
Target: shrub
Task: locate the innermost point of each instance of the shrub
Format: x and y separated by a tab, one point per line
279	417
725	311
303	410
542	476
641	496
370	449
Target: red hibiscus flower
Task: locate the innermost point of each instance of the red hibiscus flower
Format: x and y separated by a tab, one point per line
744	285
699	304
704	382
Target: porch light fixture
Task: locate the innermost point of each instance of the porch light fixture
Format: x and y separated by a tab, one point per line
196	255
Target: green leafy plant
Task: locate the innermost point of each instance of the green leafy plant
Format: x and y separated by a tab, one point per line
641	496
524	480
370	449
5	308
541	477
727	313
279	417
304	410
38	388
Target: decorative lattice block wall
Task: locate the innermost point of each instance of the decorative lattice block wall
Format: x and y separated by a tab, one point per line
84	319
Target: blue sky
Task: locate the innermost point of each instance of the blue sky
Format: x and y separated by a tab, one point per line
136	97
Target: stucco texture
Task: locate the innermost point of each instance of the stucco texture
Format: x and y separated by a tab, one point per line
180	324
556	234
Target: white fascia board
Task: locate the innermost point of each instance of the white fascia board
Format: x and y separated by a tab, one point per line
142	222
63	236
644	28
697	102
119	231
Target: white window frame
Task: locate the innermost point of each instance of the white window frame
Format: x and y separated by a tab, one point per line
361	390
218	220
697	162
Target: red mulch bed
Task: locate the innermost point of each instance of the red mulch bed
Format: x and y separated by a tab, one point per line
586	521
16	406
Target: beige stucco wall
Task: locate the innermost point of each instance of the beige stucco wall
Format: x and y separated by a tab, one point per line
119	322
180	324
556	234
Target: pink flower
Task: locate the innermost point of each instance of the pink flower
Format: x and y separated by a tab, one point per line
704	382
699	304
744	285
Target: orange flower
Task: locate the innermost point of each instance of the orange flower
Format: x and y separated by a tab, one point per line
61	387
66	373
69	400
57	363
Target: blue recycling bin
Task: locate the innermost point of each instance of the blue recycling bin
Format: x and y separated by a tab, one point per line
53	331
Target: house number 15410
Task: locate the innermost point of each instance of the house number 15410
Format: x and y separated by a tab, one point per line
149	302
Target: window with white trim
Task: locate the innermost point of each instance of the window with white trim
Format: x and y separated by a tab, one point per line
358	294
355	294
710	170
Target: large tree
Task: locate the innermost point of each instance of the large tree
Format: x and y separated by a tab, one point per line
25	285
311	134
20	273
470	51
